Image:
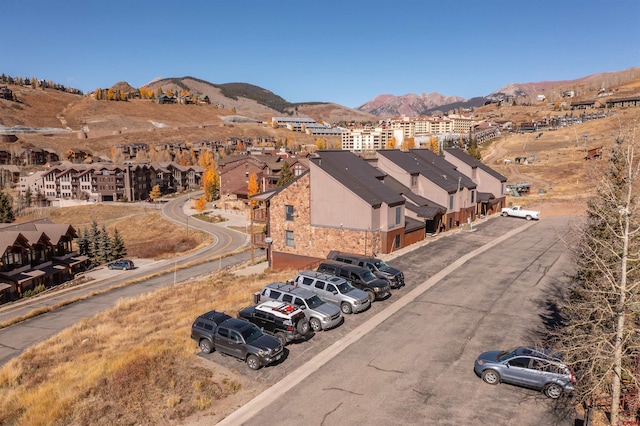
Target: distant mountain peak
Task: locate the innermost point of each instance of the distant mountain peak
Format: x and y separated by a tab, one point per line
409	105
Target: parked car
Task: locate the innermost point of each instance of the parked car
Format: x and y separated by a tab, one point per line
527	366
280	320
123	264
335	290
235	337
358	277
380	268
321	315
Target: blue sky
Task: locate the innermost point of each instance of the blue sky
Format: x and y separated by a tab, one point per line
346	51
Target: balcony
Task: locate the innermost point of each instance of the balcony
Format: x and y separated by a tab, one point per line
259	215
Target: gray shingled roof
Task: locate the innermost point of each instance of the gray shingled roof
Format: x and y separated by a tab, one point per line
415	162
475	163
358	176
437	161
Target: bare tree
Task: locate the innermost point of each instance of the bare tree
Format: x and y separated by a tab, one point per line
598	335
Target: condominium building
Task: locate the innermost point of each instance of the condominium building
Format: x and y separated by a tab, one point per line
370	140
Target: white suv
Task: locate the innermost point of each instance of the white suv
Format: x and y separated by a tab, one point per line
281	320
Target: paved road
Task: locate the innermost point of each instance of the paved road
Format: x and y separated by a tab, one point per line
15	339
409	360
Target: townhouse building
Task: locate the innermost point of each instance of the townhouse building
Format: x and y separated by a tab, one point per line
112	182
431	177
491	185
36	253
344	202
236	170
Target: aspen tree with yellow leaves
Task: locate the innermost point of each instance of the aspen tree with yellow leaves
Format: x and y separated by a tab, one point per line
253	187
210	183
391	143
408	144
434	145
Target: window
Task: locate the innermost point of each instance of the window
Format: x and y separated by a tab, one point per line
414	180
396	241
307	281
331	288
319	285
287	298
398	215
450	202
288	236
473	196
288	212
519	362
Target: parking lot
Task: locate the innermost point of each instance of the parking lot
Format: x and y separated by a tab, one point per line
409	359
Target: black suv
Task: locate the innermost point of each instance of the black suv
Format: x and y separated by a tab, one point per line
380	268
235	337
358	277
281	320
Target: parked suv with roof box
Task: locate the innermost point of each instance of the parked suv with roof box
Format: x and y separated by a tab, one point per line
321	315
380	268
235	337
359	277
335	290
281	320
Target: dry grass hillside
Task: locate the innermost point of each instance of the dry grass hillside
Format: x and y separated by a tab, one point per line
97	126
133	363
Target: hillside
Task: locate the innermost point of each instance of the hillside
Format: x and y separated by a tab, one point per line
75	121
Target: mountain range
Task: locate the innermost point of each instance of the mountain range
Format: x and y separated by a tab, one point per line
244	97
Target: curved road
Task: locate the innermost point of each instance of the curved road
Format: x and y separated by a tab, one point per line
18	337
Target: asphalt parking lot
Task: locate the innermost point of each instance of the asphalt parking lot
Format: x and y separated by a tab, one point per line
409	359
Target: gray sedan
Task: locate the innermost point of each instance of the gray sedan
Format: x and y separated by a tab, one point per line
526	366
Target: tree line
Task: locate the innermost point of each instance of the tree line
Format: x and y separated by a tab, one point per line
99	246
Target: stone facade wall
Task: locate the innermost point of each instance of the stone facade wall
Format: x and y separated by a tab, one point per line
312	242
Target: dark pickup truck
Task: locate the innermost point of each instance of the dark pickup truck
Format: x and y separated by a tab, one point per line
235	337
380	268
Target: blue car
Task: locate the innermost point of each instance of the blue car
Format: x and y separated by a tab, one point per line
527	366
123	264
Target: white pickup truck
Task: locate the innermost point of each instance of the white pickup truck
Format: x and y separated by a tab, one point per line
518	211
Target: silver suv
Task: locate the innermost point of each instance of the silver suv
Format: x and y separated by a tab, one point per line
527	366
335	290
321	315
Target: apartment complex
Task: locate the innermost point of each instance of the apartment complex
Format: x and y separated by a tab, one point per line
400	129
369	140
111	182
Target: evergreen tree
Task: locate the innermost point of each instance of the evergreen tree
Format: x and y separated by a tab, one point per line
286	175
104	246
6	208
93	238
118	249
28	195
83	243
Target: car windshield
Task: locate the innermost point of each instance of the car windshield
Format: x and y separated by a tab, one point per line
251	333
344	287
368	276
314	302
382	265
505	355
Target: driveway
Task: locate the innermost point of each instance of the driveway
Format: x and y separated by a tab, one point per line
409	359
